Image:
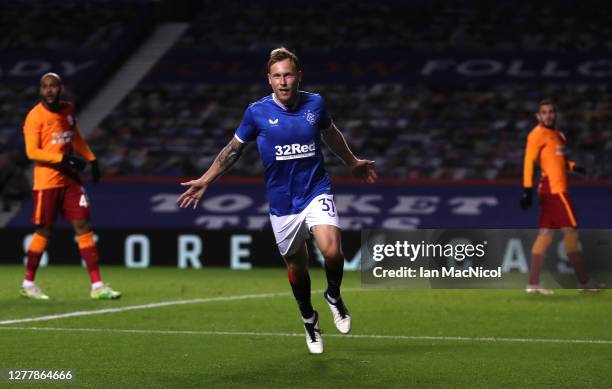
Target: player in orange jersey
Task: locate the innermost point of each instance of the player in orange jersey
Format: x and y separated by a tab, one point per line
546	147
54	142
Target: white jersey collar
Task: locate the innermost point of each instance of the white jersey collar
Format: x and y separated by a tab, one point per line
283	106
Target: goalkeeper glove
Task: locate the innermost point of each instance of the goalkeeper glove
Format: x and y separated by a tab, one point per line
580	170
74	162
526	198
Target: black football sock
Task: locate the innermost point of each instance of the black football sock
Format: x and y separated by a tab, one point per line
334	273
300	285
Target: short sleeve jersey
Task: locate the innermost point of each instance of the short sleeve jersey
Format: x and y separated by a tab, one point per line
289	143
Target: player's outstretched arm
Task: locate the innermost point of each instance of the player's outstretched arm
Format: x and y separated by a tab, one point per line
226	158
361	168
532	150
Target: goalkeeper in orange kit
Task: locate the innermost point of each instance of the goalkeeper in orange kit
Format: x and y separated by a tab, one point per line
546	147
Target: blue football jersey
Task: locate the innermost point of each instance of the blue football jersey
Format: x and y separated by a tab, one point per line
289	144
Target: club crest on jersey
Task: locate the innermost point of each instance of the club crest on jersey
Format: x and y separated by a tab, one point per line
273	122
311	117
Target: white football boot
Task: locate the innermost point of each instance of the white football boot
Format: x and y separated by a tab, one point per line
33	292
539	289
591	286
342	318
314	341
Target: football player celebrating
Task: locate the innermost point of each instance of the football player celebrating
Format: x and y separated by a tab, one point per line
289	127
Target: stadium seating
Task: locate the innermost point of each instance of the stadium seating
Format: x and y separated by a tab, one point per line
412	130
390	24
94	24
461	132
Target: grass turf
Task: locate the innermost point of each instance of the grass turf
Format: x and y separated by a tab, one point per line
167	360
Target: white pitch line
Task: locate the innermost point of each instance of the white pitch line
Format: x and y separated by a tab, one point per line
162	304
144	306
289	334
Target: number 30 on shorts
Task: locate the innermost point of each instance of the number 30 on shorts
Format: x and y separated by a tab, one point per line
327	205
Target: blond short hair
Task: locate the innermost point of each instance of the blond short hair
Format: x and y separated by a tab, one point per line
282	54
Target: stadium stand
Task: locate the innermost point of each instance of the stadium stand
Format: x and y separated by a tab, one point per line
432	25
28	24
412	129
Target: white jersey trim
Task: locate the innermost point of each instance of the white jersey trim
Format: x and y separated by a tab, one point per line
278	102
283	106
239	140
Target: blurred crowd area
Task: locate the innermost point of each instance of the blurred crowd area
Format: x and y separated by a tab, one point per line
460	131
65	25
316	25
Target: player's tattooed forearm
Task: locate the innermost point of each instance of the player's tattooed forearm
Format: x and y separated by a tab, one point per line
229	155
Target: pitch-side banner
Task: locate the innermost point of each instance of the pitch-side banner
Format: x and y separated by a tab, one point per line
244	206
484	258
140	248
391	66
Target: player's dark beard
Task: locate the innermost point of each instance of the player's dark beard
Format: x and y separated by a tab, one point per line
548	124
54	105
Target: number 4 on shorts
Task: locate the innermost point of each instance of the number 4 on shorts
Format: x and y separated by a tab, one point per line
83	201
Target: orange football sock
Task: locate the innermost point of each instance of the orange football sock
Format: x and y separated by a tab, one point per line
35	251
89	252
538	252
570	241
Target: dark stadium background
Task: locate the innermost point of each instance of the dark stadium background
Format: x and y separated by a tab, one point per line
440	94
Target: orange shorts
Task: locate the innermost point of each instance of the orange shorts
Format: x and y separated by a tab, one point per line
556	211
71	201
